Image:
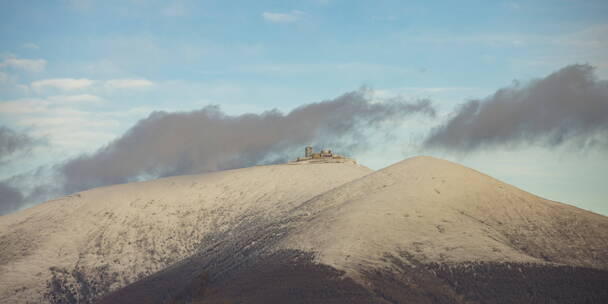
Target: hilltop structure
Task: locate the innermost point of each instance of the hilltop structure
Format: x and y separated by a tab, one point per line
324	156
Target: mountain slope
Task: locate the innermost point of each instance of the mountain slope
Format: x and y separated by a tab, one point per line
422	231
440	211
79	247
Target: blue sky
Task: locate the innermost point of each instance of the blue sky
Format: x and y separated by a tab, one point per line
79	73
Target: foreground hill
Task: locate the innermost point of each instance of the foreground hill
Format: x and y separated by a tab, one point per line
424	230
421	231
77	248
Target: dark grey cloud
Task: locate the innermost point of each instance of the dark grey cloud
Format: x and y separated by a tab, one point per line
10	198
12	145
165	144
29	188
570	105
12	142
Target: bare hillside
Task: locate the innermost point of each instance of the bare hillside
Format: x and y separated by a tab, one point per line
78	247
424	230
439	211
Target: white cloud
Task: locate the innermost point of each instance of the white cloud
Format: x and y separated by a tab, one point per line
292	16
88	85
72	118
47	105
128	83
31	65
23	106
592	37
65	120
588	45
65	84
74	99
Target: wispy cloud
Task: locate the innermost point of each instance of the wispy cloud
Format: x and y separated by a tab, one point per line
128	83
319	68
30	65
73	84
588	45
66	120
65	84
26	106
289	17
591	37
30	45
514	40
76	99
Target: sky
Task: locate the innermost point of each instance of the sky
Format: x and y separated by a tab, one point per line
102	92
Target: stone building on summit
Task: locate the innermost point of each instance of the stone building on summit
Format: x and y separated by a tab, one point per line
323	156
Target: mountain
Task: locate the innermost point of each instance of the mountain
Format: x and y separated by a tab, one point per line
77	248
423	230
440	211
